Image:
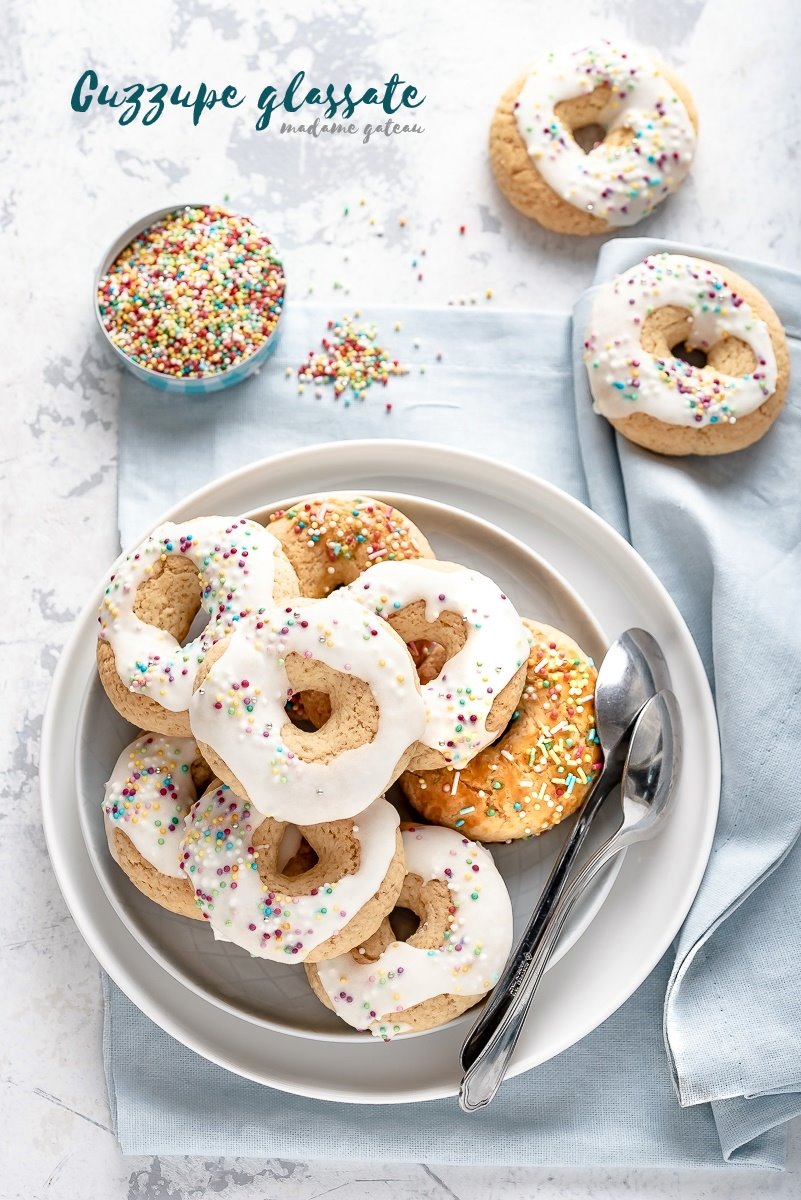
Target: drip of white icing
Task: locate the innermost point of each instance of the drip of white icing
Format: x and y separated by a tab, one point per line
239	710
235	559
469	960
619	183
459	700
222	866
148	796
625	379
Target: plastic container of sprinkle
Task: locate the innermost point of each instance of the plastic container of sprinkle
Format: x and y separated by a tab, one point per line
190	298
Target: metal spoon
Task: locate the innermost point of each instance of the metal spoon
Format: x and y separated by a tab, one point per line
648	783
633	670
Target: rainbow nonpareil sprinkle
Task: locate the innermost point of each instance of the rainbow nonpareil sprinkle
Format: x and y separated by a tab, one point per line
194	294
351	360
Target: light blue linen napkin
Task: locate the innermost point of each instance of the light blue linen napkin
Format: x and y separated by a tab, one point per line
499	378
608	1100
724	536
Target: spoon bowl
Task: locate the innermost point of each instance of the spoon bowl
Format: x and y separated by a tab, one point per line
633	670
650	771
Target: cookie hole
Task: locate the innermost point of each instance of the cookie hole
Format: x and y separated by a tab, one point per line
339	705
690	354
295	710
587	137
290	843
430	642
429	658
298	856
199	623
404	922
171	599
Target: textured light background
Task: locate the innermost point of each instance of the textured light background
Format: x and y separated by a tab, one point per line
69	185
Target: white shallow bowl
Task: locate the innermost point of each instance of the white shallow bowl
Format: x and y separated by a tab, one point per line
277	994
646	905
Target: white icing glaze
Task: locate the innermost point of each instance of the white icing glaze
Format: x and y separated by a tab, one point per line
621	183
149	794
459	700
467	963
239	710
235	559
222	866
625	379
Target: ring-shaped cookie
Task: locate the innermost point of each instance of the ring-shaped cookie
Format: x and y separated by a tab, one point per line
451	961
154	784
664	402
485	641
305	777
231	858
227	565
645	124
331	540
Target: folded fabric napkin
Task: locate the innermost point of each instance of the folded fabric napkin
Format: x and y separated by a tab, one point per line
723	536
499	378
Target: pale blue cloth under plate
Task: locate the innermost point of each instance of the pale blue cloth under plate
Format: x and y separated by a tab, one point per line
723	534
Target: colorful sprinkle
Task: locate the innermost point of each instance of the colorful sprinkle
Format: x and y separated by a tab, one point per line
351	360
193	295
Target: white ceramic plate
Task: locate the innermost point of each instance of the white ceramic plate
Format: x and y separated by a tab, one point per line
275	994
644	909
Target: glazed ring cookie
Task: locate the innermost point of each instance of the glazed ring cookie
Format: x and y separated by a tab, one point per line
230	856
227	565
154	784
377	715
663	402
486	645
448	964
645	117
537	773
330	541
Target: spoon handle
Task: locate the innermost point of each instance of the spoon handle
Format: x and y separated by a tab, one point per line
505	990
486	1072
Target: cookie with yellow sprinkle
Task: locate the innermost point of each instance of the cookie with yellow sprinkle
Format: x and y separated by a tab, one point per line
537	772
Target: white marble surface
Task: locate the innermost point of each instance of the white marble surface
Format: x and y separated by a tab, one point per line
70	185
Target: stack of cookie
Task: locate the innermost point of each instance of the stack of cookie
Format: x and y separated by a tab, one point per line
338	657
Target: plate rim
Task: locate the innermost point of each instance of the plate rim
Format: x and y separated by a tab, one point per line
476	463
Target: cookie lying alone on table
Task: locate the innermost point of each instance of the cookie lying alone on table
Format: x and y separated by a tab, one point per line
686	357
538	772
642	123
